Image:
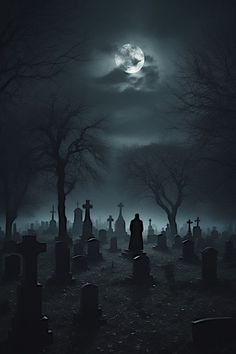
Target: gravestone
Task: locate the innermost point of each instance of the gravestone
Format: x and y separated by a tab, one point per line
229	253
87	229
141	269
188	254
214	334
177	242
12	267
80	263
209	264
110	231
102	236
113	245
78	248
29	330
77	223
94	254
120	231
161	242
62	272
151	237
197	231
90	314
52	229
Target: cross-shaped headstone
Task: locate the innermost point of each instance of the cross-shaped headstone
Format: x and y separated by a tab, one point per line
120	205
53	212
110	220
197	221
189	222
87	206
30	248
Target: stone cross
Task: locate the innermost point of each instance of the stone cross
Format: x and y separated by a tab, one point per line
120	205
87	206
110	220
30	248
53	212
189	222
197	221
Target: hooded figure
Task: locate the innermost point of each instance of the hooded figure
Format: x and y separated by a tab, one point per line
136	237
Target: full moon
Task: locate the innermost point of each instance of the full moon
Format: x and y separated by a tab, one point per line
130	58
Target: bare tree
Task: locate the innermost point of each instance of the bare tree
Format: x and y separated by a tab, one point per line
207	95
160	173
71	147
18	168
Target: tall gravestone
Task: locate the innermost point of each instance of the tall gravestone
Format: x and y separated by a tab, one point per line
78	222
90	314
151	237
87	229
110	231
161	242
62	272
188	254
29	330
120	231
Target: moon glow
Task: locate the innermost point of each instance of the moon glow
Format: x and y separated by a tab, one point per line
130	58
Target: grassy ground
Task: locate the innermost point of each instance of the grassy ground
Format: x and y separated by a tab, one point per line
154	319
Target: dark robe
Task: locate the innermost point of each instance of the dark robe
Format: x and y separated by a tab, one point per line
136	237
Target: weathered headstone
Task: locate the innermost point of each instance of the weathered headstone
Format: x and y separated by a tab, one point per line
80	263
87	229
113	245
209	264
188	254
62	272
161	242
177	242
151	237
141	269
29	327
90	314
12	267
120	231
78	247
78	223
110	231
94	250
102	236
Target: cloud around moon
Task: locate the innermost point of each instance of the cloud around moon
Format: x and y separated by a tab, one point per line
146	79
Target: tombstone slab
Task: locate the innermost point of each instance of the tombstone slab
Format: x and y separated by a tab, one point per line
94	254
141	269
161	243
29	330
113	245
80	263
62	272
90	314
209	264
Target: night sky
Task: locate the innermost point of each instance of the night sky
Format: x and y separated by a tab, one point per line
139	108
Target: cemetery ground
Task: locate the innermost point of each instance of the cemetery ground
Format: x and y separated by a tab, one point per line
139	319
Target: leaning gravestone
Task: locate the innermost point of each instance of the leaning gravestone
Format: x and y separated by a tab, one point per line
29	330
90	314
12	267
209	264
94	254
141	269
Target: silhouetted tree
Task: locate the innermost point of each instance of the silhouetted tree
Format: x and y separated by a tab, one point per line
18	167
159	172
71	147
207	96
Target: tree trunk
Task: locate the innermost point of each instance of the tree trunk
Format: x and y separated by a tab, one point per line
62	220
173	224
